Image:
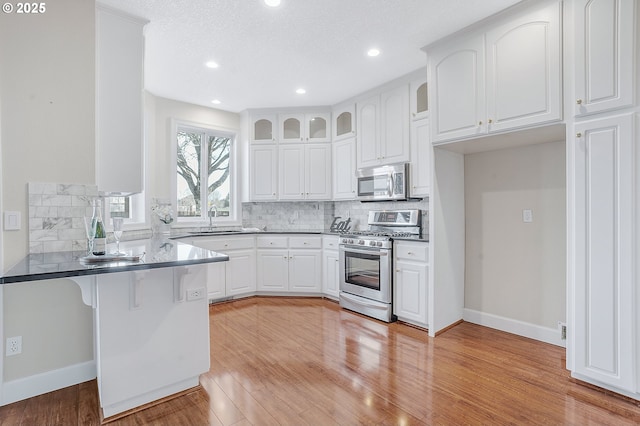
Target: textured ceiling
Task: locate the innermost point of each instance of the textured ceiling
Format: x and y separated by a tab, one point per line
265	54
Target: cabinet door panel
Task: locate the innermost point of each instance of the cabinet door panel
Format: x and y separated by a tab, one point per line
420	159
331	273
344	169
241	272
318	172
410	292
264	172
523	70
273	274
604	55
305	270
394	125
604	273
216	280
368	131
458	94
291	185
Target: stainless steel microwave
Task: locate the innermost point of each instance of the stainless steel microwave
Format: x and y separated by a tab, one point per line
382	183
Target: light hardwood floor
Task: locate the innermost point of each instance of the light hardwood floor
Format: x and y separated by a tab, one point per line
281	361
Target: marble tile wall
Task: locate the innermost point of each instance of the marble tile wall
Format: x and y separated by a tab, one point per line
56	213
318	216
288	216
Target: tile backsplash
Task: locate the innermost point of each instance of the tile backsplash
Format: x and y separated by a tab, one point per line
56	213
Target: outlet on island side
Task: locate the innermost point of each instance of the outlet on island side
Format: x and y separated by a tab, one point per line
14	346
196	293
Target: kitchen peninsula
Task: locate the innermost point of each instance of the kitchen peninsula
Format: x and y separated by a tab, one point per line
151	327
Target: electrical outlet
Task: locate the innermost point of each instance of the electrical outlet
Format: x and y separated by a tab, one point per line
14	345
562	327
527	216
196	293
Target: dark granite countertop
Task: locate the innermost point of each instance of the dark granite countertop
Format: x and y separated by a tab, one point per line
158	253
422	239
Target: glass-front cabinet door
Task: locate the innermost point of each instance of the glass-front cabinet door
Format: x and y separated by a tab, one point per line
317	126
263	128
344	124
419	101
291	129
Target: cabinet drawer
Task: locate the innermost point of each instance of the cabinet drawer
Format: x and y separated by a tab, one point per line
224	243
418	252
305	241
330	242
272	242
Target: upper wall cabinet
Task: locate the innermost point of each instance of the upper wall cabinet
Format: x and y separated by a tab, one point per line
296	128
263	128
344	122
383	128
505	77
119	102
604	55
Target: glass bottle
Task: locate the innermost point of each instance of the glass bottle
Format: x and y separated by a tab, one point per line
100	242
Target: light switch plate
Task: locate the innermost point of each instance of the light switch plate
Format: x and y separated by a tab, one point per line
11	221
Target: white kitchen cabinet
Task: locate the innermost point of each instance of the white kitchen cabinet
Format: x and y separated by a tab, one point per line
344	169
603	347
522	85
263	127
344	122
235	277
330	267
289	264
604	54
420	167
418	98
296	128
410	298
305	172
264	172
119	102
383	128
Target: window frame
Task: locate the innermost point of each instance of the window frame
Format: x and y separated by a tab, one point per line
235	213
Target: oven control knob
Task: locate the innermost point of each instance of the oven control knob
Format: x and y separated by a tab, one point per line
379	244
361	242
372	243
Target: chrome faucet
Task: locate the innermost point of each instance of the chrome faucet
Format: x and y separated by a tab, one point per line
211	216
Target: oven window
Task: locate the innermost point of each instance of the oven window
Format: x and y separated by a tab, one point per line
362	269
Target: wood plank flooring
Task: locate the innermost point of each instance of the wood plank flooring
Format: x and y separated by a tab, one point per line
304	361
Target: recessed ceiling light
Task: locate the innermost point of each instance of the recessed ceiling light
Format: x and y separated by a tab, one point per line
301	91
272	3
215	101
212	64
373	52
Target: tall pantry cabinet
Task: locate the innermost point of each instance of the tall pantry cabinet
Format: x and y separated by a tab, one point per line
603	153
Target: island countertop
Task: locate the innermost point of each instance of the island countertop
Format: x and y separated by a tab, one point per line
156	253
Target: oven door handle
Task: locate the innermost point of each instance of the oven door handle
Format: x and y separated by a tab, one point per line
379	252
358	301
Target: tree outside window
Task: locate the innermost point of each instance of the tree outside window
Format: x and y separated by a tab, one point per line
203	173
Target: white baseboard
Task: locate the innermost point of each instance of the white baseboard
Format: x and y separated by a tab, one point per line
521	328
38	384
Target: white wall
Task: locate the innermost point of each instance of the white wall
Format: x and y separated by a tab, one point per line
516	270
47	89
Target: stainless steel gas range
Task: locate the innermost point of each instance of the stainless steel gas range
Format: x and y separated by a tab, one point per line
366	262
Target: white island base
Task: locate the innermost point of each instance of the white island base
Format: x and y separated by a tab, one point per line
151	334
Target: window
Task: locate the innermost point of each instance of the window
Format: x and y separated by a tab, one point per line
205	175
119	207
